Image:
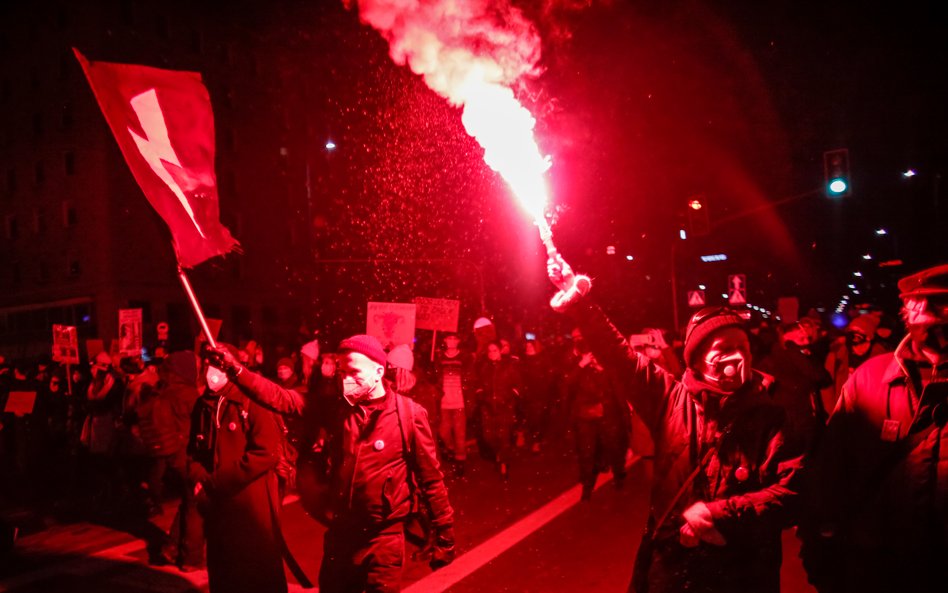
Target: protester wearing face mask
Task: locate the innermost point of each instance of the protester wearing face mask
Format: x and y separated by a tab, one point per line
233	452
857	347
103	404
381	447
878	488
723	479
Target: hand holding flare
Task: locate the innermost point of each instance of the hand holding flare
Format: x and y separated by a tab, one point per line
572	287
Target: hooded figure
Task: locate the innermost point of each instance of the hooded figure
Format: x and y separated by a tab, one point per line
723	480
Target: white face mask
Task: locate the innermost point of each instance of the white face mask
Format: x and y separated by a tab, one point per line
355	390
216	378
726	372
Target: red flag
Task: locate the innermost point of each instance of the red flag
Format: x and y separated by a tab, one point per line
163	123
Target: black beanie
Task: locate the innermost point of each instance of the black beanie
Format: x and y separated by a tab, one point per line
704	323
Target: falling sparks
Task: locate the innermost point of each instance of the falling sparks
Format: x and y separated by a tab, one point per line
472	53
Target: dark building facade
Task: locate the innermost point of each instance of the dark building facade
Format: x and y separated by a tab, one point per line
78	239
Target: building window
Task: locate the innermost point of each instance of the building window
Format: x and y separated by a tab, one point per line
228	139
40	172
66	62
197	41
37	124
11	181
67	117
145	306
17	273
69	162
11	227
6	90
73	268
42	271
161	26
39	221
70	218
126	13
240	315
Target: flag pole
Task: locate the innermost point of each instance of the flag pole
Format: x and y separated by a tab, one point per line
196	306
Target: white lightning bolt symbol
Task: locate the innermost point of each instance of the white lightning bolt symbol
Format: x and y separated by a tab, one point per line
156	146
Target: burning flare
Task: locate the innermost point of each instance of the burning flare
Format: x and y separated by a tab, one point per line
471	52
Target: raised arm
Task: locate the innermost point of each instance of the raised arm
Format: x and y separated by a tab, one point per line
645	384
257	387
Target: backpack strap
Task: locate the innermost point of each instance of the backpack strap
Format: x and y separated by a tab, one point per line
405	411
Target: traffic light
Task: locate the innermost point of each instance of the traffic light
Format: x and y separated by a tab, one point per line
698	222
836	173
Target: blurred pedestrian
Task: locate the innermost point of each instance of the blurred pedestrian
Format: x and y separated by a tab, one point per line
453	370
537	374
497	391
799	378
597	422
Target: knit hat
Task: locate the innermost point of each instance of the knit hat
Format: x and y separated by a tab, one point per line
401	357
706	322
482	322
310	349
366	345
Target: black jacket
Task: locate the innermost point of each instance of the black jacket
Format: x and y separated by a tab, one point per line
749	484
233	452
369	475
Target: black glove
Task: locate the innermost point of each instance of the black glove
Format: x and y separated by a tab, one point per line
222	359
442	553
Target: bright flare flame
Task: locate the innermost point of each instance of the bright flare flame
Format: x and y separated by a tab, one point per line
504	128
472	52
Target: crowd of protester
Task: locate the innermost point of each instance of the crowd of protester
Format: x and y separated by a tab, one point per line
111	436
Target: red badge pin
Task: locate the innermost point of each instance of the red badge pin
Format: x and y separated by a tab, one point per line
741	473
232	426
379	445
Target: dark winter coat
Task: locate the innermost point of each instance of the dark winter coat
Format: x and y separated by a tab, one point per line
798	381
165	417
747	484
878	488
369	476
498	386
537	375
233	451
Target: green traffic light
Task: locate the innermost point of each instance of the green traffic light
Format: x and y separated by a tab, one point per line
838	186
